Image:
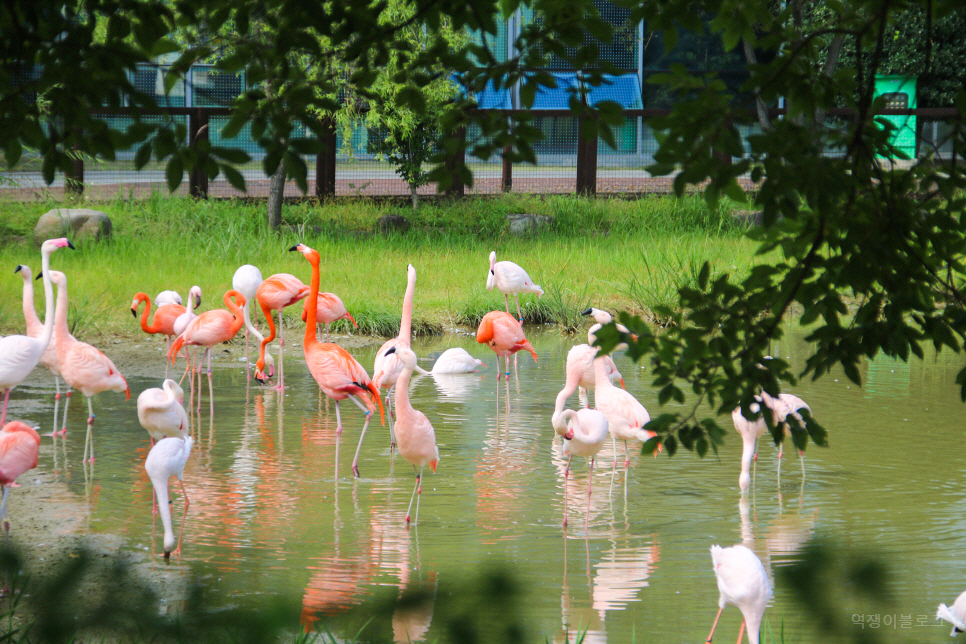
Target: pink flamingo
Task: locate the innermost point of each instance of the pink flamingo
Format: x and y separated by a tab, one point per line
330	308
19	354
83	367
166	459
456	360
743	582
182	322
274	294
211	328
35	329
337	373
387	365
164	318
626	417
508	278
414	433
503	334
19	447
780	408
584	432
750	431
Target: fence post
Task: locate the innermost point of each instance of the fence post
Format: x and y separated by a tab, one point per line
586	162
506	182
74	178
325	160
198	132
455	163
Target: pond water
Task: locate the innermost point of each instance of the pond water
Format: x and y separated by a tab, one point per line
276	512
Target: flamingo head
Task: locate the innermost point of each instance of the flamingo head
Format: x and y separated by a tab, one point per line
53	244
195	296
310	254
265	368
24	272
136	302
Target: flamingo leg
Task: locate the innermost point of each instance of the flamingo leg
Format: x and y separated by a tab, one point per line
506	297
713	626
389	415
417	492
613	440
566	475
281	352
801	457
590	485
6	399
167	348
56	405
248	364
516	298
211	390
365	426
63	429
338	420
627	456
187	503
741	631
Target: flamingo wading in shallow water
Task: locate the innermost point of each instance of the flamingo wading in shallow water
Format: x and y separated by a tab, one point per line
337	373
161	412
82	366
164	320
275	294
584	432
414	433
507	278
743	582
387	366
35	329
456	360
246	281
503	334
19	354
626	416
19	447
166	459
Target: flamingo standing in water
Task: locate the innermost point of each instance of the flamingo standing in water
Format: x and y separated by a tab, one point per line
781	408
274	294
626	416
19	354
35	329
414	433
330	308
503	334
246	281
337	373
164	318
750	431
584	432
211	328
456	360
19	447
387	365
166	459
743	582
161	411
507	278
180	324
83	367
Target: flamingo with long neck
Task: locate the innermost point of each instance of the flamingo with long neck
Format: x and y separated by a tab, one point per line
387	365
166	459
274	294
164	319
19	354
84	367
211	328
337	373
584	432
35	328
504	335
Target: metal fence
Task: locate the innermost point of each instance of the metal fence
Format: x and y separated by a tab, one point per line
565	163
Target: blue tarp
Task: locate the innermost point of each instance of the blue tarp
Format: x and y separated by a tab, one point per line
624	90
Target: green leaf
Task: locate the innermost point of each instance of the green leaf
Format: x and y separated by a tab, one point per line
174	172
234	177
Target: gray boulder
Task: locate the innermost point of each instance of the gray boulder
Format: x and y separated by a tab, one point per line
521	224
75	223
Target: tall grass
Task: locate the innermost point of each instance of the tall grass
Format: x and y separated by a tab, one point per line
611	253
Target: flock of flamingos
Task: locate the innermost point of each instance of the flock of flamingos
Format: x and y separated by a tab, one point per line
742	580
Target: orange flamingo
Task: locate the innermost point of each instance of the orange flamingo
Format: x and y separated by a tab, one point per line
274	294
164	319
414	432
211	328
19	354
502	333
82	366
330	309
19	447
338	374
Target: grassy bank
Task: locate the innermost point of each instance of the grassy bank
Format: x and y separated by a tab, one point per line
611	253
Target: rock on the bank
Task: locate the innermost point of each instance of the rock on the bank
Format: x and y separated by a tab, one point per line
74	223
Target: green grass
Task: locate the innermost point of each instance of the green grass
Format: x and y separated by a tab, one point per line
610	253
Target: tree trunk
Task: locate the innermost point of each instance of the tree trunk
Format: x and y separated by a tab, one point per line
760	106
276	188
412	191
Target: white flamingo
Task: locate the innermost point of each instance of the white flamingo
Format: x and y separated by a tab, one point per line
19	354
743	582
955	615
584	432
507	278
161	411
166	459
456	360
167	297
246	281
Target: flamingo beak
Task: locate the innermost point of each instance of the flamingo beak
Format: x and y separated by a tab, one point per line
569	435
134	312
622	384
